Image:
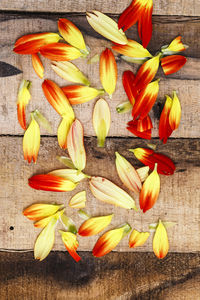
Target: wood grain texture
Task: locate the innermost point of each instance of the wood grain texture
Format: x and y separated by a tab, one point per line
161	7
186	81
175	202
117	276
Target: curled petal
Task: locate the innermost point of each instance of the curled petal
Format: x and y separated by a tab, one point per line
23	99
172	63
106	191
70	174
108	71
149	158
127	174
109	240
138	238
143	173
145	100
44	222
70	241
164	127
107	27
101	121
132	49
37	65
40	210
69	71
160	241
71	34
175	46
60	52
31	141
124	107
128	80
75	145
78	94
175	113
78	200
48	182
94	225
63	131
31	43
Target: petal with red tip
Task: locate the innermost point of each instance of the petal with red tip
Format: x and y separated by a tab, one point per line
70	241
23	99
145	24
94	225
164	127
48	182
128	80
138	238
60	52
37	65
132	49
160	241
40	210
172	63
175	113
175	46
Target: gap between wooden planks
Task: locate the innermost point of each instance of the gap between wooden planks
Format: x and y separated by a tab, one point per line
178	200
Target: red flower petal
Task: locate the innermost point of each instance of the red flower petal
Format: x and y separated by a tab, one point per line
128	79
172	63
164	127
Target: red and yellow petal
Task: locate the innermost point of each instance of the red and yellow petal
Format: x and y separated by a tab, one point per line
138	238
175	113
37	65
60	52
150	191
164	127
23	99
128	80
70	241
175	46
141	128
173	63
132	49
94	225
40	210
145	24
63	130
160	241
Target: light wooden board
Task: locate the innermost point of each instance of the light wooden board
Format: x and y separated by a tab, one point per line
161	7
178	200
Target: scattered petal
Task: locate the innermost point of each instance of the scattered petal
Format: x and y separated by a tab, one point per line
66	161
94	225
70	241
70	174
40	210
63	130
60	52
124	107
164	127
42	120
141	128
138	238
172	63
44	222
134	60
78	200
128	80
153	226
23	99
175	113
37	65
68	224
132	49
143	173
175	47
160	241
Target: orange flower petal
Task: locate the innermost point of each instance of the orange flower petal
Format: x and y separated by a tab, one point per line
132	49
175	113
40	210
160	241
94	225
71	244
37	65
23	99
172	63
60	52
164	128
138	238
141	128
128	80
145	24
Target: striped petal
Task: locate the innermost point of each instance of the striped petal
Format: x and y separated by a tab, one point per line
37	65
145	100
101	121
160	241
94	225
106	191
69	72
143	173
107	27
70	174
78	94
78	200
48	182
63	131
138	238
57	99
132	49
75	145
109	240
45	221
164	127
128	80
40	210
23	99
71	34
127	174
150	191
70	241
31	141
173	63
175	46
108	71
175	113
31	43
60	52
149	158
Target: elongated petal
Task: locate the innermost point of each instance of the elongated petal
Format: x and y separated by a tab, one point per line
145	24
37	65
149	158
48	182
63	131
175	46
164	127
143	173
145	100
127	174
31	43
60	52
66	161
31	141
23	99
128	80
71	244
78	94
172	63
45	241
69	72
78	200
147	72
138	238
71	34
109	240
106	191
175	113
45	221
70	174
108	71
124	107
160	241
57	99
101	121
75	145
94	225
150	191
132	49
42	121
40	210
107	27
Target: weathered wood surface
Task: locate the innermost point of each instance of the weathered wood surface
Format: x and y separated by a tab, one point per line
178	200
186	81
161	7
117	276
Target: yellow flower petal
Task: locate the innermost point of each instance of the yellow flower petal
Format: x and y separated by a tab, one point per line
78	200
143	173
42	120
175	113
63	130
66	161
38	211
70	241
68	223
160	241
94	225
44	222
23	99
69	174
124	107
138	238
132	49
175	46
